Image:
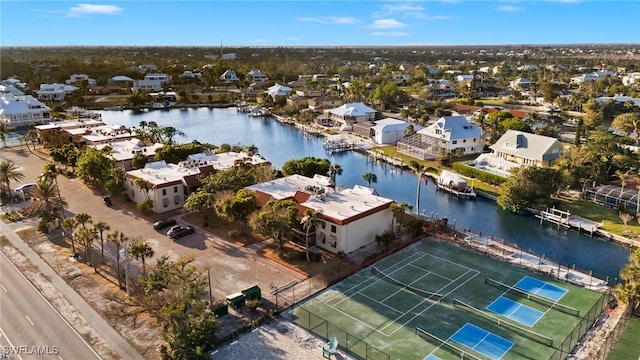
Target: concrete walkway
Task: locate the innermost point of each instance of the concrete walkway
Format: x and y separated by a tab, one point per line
110	336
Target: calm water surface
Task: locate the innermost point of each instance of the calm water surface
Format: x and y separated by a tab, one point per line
278	143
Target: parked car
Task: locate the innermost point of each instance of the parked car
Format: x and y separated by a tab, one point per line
107	200
179	231
25	187
161	224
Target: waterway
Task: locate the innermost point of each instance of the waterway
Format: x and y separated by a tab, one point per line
279	142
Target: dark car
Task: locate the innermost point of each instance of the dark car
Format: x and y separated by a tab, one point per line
107	201
179	231
162	224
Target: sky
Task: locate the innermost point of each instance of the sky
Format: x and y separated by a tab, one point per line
292	23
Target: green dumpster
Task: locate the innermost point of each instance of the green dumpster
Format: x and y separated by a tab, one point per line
221	309
236	300
252	293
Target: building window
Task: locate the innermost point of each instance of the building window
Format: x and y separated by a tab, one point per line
464	140
454	142
164	191
165	202
176	199
175	189
333	229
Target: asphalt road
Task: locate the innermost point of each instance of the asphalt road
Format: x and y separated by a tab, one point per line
30	326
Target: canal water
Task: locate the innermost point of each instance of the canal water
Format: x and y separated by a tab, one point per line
279	142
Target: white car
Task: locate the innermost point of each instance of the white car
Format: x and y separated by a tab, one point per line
25	187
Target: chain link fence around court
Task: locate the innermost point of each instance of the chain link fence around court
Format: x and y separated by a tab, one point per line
613	336
351	344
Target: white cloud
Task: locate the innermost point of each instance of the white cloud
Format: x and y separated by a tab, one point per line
509	8
46	12
439	17
387	24
389	33
328	20
88	9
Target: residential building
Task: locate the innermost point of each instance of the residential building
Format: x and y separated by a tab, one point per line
170	184
520	84
151	82
229	76
449	134
123	151
55	92
349	219
278	90
76	78
319	103
631	79
10	89
347	115
22	110
516	148
401	78
256	76
385	131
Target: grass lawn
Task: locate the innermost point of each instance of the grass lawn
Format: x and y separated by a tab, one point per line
376	318
628	347
599	213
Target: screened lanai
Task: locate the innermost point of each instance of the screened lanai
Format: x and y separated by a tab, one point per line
615	196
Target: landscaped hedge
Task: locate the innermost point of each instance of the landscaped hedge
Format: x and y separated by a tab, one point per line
470	171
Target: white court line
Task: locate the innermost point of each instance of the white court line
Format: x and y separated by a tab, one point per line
430	272
444	295
390	307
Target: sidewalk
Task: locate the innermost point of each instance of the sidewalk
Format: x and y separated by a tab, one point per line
100	328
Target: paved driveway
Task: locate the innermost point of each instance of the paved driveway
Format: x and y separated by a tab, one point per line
232	267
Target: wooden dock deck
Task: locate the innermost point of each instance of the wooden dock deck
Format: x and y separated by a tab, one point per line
566	220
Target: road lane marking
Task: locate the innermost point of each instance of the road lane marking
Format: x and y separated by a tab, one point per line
27	316
3	288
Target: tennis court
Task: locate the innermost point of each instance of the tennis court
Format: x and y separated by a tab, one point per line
434	300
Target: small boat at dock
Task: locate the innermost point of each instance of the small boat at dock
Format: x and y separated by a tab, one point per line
455	184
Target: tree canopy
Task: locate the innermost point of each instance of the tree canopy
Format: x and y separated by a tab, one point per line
307	166
529	186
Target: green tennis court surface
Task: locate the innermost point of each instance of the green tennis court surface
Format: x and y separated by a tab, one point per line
434	300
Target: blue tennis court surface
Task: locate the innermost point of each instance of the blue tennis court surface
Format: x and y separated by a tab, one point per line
482	341
541	288
431	357
515	311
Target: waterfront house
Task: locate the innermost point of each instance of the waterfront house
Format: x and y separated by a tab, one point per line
347	115
10	89
349	218
151	82
516	148
449	134
319	103
278	90
385	131
170	184
22	110
54	92
123	151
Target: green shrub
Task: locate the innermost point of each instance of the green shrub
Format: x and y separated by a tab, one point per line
145	207
233	234
470	171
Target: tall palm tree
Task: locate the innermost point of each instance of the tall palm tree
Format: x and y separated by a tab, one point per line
143	185
623	176
47	201
398	211
310	219
419	170
50	172
101	227
86	237
9	171
83	218
118	239
69	225
370	177
141	250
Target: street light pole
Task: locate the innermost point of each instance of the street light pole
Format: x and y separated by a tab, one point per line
125	254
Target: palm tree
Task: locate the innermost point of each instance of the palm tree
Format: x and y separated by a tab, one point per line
419	170
370	177
86	237
47	200
101	227
310	219
334	171
398	211
629	291
118	239
69	225
141	250
83	218
143	185
623	176
9	171
50	172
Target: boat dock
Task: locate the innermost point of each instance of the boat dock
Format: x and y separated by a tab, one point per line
469	193
566	220
378	155
337	145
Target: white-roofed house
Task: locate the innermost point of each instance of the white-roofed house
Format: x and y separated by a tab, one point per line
384	131
10	89
256	76
349	114
55	92
516	148
151	82
25	110
123	151
350	218
278	90
229	76
520	84
447	135
76	78
171	184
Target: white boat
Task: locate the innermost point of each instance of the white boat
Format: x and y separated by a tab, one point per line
455	184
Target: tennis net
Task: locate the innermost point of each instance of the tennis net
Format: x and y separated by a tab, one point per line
445	344
421	292
507	325
533	297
